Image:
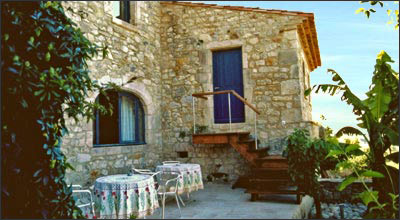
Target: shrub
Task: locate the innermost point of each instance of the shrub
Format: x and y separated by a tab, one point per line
44	76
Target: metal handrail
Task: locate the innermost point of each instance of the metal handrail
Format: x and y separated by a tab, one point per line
229	92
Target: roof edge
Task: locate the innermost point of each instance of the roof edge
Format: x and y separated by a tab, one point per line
240	8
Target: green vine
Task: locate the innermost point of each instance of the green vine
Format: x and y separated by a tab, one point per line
44	78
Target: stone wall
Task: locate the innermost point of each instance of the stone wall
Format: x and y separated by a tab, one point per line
271	53
168	48
133	52
330	194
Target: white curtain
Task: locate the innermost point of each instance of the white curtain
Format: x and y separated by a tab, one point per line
127	119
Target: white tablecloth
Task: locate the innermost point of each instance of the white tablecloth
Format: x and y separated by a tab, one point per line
123	196
191	176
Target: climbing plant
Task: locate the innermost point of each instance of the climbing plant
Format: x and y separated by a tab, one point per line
44	78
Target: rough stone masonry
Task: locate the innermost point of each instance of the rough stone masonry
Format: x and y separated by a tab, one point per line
168	47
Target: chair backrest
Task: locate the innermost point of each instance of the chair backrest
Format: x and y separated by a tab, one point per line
168	180
170	162
142	171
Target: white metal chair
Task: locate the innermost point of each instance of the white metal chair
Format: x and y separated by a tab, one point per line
77	189
168	186
170	162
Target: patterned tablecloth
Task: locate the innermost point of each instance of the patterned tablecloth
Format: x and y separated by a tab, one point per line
123	196
191	176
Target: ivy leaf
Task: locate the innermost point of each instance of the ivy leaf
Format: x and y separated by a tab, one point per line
48	56
371	173
360	10
352	147
368	196
349	180
343	165
307	92
37	173
36	93
367	13
334	153
52	164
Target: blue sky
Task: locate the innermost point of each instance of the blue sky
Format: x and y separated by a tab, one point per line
348	43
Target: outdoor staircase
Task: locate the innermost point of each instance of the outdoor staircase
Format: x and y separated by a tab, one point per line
268	173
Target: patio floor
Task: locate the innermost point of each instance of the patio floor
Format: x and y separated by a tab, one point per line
219	201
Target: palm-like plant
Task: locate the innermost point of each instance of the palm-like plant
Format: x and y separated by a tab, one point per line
378	114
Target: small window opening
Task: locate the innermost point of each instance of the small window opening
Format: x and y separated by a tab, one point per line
182	154
121	10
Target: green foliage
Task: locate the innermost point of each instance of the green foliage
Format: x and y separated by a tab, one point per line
305	159
182	134
378	115
378	209
44	77
393	14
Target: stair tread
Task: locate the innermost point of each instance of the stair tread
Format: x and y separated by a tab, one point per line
278	191
259	150
269	180
273	157
246	141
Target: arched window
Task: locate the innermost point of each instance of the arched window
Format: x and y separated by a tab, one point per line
125	125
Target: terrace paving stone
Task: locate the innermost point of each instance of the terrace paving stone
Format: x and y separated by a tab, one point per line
219	201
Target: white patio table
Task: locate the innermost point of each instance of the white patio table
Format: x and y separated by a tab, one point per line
191	179
123	196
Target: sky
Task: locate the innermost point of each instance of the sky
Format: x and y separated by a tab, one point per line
348	43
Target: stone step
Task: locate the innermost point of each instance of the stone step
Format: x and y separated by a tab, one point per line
269	174
260	151
272	162
256	192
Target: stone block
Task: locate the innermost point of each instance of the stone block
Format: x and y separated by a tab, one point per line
290	87
287	57
291	115
83	157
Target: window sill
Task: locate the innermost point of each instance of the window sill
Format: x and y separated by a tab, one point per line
116	145
124	24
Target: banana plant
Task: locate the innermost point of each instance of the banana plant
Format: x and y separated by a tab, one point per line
378	115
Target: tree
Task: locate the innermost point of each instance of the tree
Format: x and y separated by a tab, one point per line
392	13
379	116
44	77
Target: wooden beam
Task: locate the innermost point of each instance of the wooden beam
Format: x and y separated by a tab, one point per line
308	51
313	53
315	41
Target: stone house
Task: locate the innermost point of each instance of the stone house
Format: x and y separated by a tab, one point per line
175	49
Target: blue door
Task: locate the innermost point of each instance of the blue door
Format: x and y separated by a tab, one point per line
227	75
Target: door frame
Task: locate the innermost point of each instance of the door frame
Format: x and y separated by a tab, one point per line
214	76
206	81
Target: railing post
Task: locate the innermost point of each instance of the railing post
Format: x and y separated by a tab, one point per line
255	128
194	116
229	106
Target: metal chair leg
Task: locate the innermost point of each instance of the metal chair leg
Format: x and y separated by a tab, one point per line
91	205
163	207
179	207
180	198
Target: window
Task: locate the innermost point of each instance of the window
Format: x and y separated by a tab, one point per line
121	10
125	125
